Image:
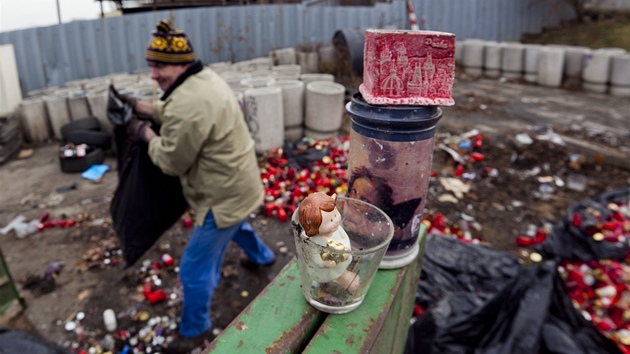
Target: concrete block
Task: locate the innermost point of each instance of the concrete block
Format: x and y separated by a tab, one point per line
532	54
550	66
324	107
264	116
34	120
492	59
473	57
512	58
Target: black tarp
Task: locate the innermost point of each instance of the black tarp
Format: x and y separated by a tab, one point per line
484	301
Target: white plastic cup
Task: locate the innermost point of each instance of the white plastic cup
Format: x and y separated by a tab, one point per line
109	318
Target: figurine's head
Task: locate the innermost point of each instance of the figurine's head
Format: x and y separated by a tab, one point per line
318	214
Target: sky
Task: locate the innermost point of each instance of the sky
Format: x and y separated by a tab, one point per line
22	14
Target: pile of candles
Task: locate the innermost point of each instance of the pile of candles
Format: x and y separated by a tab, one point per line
323	169
600	288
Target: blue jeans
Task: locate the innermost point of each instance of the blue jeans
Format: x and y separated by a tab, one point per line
200	268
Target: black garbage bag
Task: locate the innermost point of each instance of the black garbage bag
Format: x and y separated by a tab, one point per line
14	341
566	331
146	201
491	304
119	113
571	241
618	196
451	266
300	155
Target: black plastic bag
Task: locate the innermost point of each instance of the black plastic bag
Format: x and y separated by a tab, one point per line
300	155
451	266
617	196
566	331
490	304
570	242
146	202
119	113
14	341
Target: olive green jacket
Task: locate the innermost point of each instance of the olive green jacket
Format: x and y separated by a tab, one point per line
205	141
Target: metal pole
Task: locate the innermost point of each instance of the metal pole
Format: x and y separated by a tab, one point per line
58	12
413	20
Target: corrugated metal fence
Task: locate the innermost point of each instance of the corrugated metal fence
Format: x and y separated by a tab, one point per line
50	56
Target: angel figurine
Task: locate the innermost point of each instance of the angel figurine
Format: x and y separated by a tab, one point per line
321	222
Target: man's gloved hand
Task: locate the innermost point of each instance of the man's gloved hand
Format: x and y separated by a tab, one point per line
136	130
130	100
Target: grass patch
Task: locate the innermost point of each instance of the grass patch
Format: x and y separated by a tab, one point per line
613	32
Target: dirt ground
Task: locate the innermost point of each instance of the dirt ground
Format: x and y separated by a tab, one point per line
515	187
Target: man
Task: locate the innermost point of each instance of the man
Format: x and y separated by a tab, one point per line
205	141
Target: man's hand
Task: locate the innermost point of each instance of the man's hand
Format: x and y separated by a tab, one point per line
136	130
130	100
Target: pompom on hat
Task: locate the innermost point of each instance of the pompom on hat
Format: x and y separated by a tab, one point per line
169	45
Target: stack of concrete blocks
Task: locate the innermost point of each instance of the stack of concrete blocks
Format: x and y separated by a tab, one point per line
252	82
45	111
605	70
272	92
597	69
275	98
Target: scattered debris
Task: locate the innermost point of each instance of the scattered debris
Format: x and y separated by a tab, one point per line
95	173
40	285
67	188
455	185
25	153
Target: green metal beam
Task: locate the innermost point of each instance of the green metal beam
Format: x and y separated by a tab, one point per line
280	320
381	323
